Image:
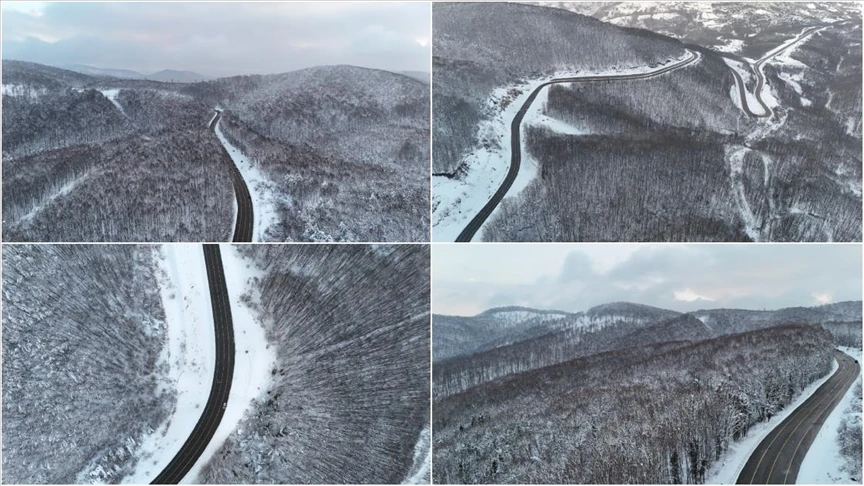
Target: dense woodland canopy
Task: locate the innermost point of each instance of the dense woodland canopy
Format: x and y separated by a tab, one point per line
655	414
621	393
88	158
350	390
83	327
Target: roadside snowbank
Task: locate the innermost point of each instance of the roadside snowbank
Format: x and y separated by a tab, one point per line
727	469
260	187
189	354
823	462
456	201
253	356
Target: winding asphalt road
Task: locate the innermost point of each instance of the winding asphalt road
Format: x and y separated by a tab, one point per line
760	77
470	230
245	216
224	373
778	457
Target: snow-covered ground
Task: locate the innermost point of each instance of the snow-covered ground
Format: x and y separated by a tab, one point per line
111	94
823	462
260	187
22	90
253	356
727	469
422	460
190	355
456	201
62	191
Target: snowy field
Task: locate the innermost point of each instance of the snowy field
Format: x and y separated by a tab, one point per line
190	354
727	469
418	474
456	201
260	188
111	94
823	462
253	357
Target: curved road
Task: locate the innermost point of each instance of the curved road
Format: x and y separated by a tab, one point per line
224	373
245	217
778	457
760	77
470	230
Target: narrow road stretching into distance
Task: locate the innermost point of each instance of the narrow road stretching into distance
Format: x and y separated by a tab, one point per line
760	76
245	215
468	233
778	457
222	376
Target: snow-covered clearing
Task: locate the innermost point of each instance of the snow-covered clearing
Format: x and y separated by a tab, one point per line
111	94
422	459
727	469
260	187
61	191
455	201
731	45
735	158
253	356
823	462
189	352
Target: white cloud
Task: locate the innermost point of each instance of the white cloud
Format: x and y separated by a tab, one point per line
688	295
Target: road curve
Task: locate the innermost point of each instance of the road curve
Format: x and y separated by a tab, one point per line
245	215
470	230
224	373
760	76
778	457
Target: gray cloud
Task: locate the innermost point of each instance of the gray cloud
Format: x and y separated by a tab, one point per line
221	38
679	277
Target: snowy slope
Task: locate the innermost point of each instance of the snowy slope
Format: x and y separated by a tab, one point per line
253	357
190	355
455	201
823	462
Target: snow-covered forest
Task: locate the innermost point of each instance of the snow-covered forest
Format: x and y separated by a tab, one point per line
604	418
671	158
528	396
349	393
83	328
90	158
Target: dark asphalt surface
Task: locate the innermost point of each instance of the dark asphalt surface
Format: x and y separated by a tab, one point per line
470	230
224	373
778	457
245	215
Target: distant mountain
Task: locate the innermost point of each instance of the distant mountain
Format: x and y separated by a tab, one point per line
166	75
424	76
172	76
95	71
460	336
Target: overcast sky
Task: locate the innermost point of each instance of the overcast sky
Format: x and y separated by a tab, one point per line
219	39
468	279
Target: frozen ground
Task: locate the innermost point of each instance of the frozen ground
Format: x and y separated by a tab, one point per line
422	460
727	469
456	201
111	94
260	188
190	354
253	356
823	462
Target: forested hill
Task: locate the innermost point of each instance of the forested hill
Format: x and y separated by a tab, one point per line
469	351
511	42
344	150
